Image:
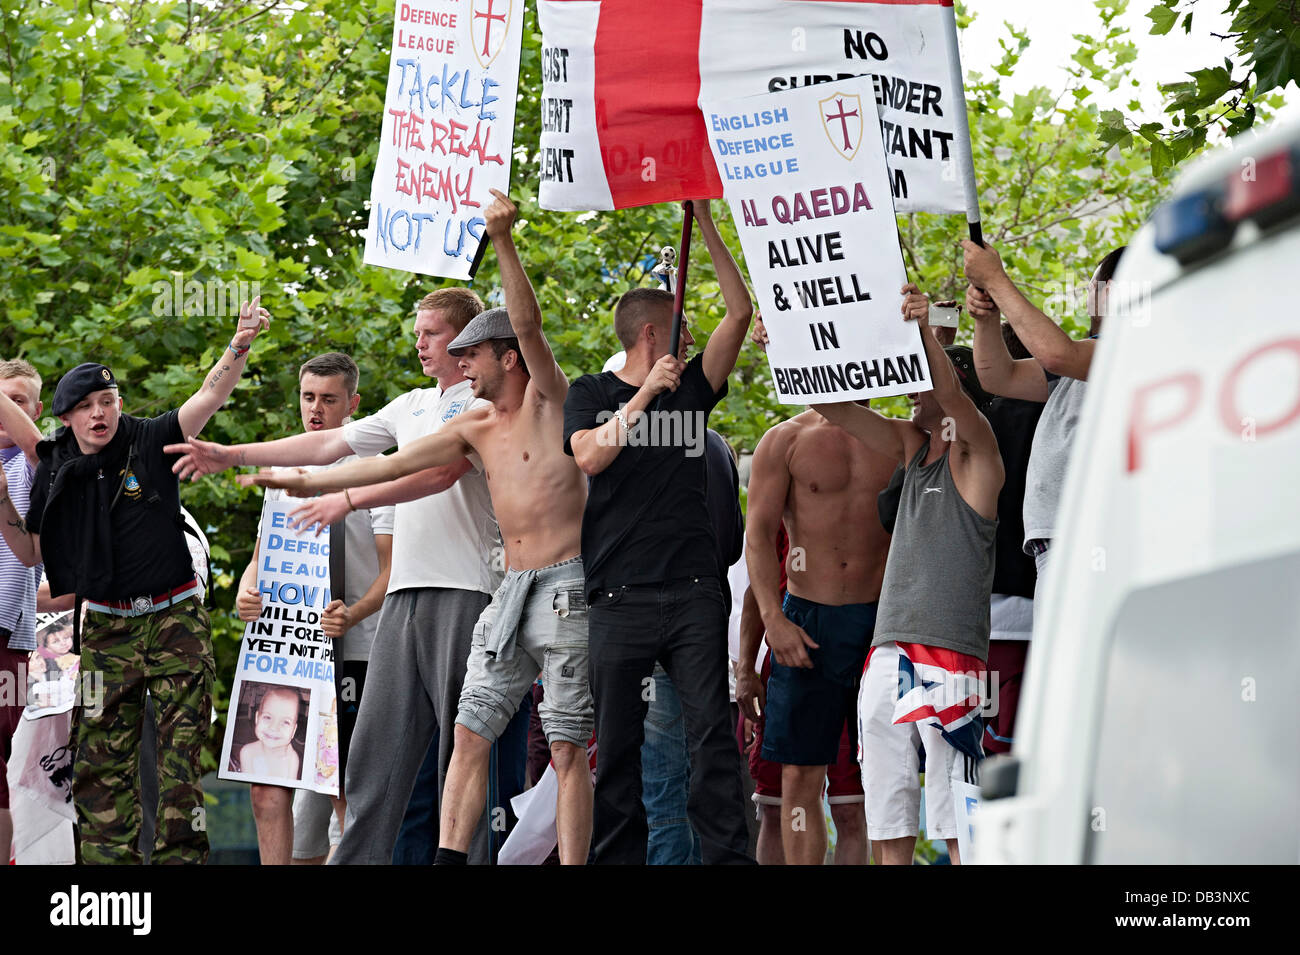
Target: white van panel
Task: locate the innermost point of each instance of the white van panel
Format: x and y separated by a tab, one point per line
1187	462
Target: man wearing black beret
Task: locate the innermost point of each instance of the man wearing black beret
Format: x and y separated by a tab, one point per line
104	516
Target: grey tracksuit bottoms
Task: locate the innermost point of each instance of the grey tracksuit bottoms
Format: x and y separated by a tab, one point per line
413	683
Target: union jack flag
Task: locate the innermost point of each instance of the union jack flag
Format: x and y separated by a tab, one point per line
945	687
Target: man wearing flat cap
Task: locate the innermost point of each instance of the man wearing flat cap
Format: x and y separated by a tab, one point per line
443	574
537	620
104	516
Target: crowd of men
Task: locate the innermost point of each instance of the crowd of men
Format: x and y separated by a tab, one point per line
568	555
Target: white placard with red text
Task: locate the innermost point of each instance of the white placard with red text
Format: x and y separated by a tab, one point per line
448	130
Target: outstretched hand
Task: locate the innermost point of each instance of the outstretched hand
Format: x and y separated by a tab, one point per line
292	480
200	457
320	511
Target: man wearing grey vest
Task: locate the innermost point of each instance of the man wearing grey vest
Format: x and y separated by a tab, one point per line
1056	374
922	680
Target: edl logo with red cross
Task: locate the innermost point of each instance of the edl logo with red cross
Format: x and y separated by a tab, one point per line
842	120
488	26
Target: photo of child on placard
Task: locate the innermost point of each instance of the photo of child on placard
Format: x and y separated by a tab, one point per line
270	731
327	743
52	668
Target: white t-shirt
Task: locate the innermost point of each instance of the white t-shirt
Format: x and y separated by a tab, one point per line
441	540
360	560
738	581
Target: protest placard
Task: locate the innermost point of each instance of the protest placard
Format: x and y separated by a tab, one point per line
805	177
281	727
611	140
52	668
966	802
448	130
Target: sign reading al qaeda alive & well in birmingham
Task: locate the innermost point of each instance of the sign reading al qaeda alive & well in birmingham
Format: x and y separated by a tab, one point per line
448	130
804	173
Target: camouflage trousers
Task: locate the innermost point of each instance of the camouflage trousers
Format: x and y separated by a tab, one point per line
169	653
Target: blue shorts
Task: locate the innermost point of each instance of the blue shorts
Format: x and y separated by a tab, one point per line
807	709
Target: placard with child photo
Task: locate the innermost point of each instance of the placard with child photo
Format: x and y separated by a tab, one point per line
279	729
52	668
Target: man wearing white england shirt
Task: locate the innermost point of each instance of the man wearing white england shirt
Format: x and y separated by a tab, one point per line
442	578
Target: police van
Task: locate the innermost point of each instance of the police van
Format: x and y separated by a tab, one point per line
1158	719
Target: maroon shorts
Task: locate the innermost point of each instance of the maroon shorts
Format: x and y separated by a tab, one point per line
1006	668
13	671
844	776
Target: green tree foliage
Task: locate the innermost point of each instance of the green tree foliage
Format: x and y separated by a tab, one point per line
1262	55
1051	203
144	144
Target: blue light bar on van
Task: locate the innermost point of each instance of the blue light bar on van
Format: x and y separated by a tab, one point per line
1267	191
1193	226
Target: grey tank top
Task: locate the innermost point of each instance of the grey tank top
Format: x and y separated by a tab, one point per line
940	568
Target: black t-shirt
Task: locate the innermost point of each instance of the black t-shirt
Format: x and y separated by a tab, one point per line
723	495
149	553
1013	422
647	518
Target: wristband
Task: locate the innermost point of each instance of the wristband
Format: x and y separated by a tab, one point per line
348	497
623	418
239	352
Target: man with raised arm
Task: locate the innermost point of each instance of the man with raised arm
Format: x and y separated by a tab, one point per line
651	560
932	624
537	620
442	577
1056	374
104	516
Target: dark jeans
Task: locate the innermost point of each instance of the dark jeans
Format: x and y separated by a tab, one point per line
683	625
666	779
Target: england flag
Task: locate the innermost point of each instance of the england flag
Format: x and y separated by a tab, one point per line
622	84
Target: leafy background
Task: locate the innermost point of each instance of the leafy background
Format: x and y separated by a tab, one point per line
232	140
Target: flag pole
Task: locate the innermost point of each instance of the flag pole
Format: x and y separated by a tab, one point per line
965	161
478	255
679	293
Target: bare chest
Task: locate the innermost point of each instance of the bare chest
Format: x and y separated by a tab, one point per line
519	450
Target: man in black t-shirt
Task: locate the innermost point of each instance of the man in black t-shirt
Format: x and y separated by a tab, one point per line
651	560
104	516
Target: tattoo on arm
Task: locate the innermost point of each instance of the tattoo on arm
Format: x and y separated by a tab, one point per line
217	376
7	502
243	458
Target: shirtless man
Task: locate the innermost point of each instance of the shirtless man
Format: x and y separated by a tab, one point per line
933	618
537	620
813	475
